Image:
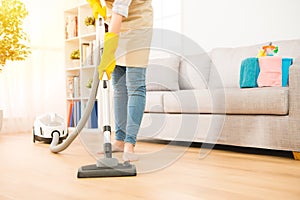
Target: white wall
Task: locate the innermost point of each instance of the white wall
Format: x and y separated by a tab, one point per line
227	23
167	14
46	30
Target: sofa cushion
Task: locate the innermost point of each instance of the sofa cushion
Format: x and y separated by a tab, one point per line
194	72
267	100
154	101
288	48
253	101
188	101
226	63
162	74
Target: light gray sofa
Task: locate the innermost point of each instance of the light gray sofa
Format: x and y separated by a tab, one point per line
197	98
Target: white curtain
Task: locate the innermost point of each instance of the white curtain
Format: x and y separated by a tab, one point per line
37	85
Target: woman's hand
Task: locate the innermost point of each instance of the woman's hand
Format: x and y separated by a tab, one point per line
97	8
108	60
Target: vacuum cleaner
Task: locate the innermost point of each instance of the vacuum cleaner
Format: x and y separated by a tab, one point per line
106	166
46	125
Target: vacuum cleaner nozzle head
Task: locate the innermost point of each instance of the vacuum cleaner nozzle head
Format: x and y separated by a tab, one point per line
92	171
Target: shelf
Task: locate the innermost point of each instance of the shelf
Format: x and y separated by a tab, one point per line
89	36
77	74
85	98
72	68
73	39
88	67
74	99
73	10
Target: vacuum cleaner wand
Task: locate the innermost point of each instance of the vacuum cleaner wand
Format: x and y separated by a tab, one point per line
107	166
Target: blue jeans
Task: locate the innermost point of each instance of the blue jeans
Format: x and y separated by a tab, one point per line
129	101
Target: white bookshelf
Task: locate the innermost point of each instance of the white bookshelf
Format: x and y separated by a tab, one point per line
79	36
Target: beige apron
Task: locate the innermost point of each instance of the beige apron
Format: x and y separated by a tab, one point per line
136	33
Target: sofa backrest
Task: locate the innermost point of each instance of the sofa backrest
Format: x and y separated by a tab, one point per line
226	62
218	68
194	71
162	73
172	72
226	65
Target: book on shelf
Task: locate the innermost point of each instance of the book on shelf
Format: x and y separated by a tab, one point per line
77	112
73	87
84	47
74	114
76	86
70	87
70	115
71	26
87	53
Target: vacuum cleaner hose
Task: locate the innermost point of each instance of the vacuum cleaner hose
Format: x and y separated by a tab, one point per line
54	146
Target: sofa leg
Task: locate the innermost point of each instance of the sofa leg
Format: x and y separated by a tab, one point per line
296	155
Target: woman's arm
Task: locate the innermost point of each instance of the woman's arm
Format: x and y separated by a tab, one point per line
115	23
119	11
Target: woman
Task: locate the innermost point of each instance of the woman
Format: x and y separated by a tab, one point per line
130	30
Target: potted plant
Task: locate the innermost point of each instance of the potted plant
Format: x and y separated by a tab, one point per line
90	22
75	56
14	42
89	84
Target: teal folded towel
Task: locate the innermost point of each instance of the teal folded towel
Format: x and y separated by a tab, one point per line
249	73
286	63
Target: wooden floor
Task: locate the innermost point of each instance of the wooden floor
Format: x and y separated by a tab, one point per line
30	171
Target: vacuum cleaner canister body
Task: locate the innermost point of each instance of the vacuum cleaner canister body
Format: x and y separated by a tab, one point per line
47	124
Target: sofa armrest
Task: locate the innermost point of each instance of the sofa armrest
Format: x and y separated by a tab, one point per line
294	90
